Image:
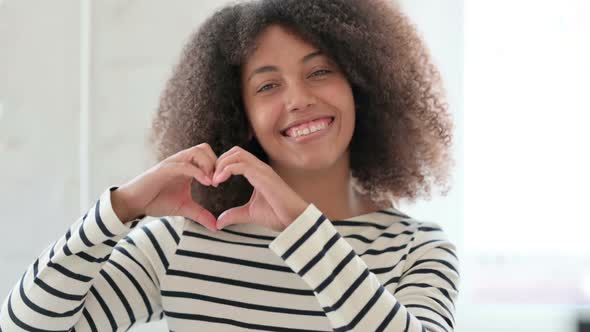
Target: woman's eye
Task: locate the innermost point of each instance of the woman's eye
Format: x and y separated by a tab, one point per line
264	87
320	72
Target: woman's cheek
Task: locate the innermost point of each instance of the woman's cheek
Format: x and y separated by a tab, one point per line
266	115
338	94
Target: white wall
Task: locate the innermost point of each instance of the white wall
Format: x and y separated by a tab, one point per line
39	173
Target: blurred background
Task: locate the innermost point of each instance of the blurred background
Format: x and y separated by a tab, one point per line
80	81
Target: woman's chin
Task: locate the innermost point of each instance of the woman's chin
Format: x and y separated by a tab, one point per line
311	164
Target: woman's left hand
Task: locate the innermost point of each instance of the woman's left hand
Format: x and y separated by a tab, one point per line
273	203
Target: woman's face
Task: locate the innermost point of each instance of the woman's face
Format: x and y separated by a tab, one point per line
287	80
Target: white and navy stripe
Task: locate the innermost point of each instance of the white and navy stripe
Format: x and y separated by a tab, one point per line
378	272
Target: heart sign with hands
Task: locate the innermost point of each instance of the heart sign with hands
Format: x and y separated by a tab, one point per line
165	190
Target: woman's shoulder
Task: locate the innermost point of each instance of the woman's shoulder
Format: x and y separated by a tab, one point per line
428	237
395	217
163	232
424	233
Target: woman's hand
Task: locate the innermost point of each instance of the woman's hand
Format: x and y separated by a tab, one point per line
273	203
165	189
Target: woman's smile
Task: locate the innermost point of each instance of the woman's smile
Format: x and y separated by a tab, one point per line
310	132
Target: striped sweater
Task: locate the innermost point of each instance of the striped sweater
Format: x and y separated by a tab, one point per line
382	271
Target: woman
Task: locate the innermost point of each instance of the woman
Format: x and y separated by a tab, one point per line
285	134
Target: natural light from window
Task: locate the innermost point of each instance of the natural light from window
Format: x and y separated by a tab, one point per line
527	150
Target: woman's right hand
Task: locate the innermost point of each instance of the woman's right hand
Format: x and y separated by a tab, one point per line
165	189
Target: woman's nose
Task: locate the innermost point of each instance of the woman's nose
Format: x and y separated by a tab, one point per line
298	96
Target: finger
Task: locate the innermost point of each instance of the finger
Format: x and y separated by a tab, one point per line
237	215
257	176
229	170
234	167
244	155
231	152
198	156
236	154
188	169
262	178
199	214
212	157
203	162
202	155
226	158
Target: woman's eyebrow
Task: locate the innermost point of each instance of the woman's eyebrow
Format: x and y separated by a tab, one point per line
265	69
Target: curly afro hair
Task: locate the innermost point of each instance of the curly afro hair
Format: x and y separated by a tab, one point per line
401	143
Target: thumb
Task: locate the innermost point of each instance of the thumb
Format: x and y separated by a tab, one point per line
199	214
236	215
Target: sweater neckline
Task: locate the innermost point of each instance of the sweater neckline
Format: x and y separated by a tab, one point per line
260	230
362	216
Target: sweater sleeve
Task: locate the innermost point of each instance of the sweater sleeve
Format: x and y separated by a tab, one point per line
101	275
352	296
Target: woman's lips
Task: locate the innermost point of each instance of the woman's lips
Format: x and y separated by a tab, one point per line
315	135
328	119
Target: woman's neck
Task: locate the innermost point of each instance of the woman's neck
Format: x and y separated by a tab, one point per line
331	190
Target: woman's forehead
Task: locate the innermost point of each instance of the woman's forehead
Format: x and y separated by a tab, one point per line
276	42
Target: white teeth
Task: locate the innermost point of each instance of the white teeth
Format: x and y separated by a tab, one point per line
307	131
